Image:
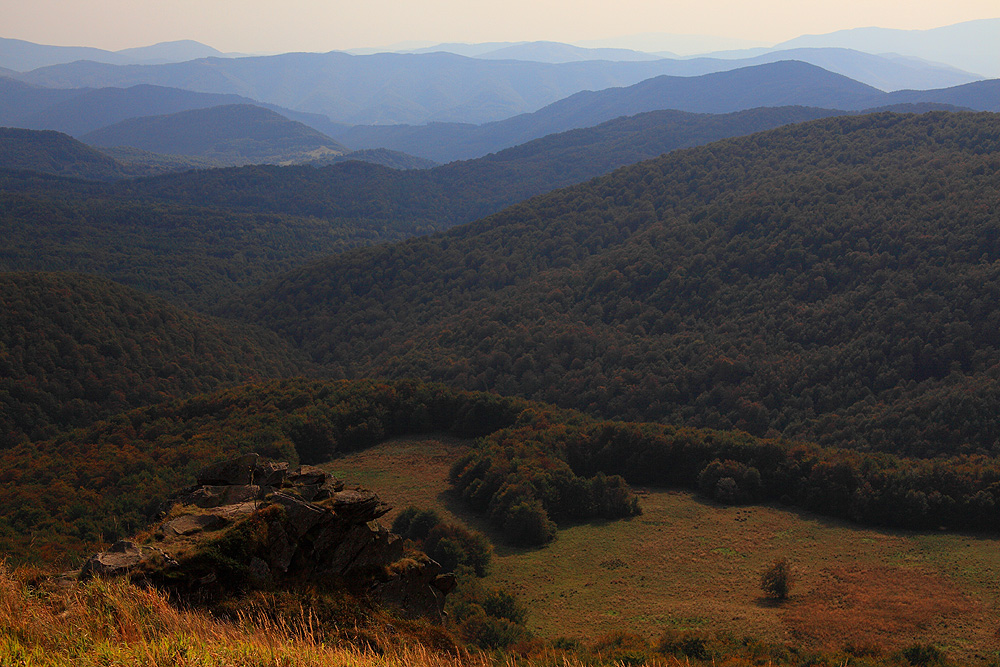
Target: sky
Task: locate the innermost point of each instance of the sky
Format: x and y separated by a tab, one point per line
273	26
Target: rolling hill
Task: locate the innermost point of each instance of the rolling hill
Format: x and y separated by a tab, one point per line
830	280
462	191
54	153
195	237
77	348
228	135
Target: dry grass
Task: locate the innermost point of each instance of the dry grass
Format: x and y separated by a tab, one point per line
686	563
114	623
879	605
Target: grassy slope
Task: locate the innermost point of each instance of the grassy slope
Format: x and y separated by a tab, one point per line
686	563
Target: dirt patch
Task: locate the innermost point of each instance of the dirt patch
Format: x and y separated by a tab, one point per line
884	606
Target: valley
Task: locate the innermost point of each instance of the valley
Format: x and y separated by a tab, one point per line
689	564
502	353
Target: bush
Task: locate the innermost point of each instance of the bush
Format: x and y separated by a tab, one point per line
501	604
489	618
730	482
527	524
449	544
684	642
923	655
777	580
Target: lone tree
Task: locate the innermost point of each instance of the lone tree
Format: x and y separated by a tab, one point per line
777	580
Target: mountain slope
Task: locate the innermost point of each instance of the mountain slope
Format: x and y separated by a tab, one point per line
773	84
834	280
22	56
230	135
462	191
54	153
87	110
973	45
197	237
19	99
74	348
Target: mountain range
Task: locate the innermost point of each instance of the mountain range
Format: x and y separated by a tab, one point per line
973	46
77	111
441	87
21	56
197	236
773	84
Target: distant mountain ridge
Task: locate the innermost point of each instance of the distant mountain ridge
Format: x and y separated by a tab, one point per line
973	46
77	111
22	56
230	135
391	88
771	84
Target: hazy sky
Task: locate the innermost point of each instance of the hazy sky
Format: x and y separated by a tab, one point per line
322	25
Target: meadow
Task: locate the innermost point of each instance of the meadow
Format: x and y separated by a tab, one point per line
691	564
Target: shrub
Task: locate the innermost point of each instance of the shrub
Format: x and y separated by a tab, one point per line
730	482
777	580
684	642
923	655
449	544
501	604
527	524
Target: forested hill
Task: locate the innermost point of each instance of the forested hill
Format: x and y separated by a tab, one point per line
835	280
74	348
55	153
462	191
232	134
197	237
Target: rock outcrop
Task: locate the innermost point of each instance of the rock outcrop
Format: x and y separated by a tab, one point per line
254	524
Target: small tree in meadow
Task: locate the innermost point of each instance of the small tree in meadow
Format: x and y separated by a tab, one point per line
777	580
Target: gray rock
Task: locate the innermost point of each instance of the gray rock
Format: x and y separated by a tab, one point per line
281	548
120	559
209	497
193	523
357	505
270	474
304	475
300	516
259	572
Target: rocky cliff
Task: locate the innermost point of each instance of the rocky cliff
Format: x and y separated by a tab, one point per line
250	524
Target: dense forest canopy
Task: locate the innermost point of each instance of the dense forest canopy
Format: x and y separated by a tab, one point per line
834	281
197	236
76	348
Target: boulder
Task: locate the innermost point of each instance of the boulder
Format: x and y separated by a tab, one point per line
304	475
208	497
270	474
296	525
357	505
194	523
